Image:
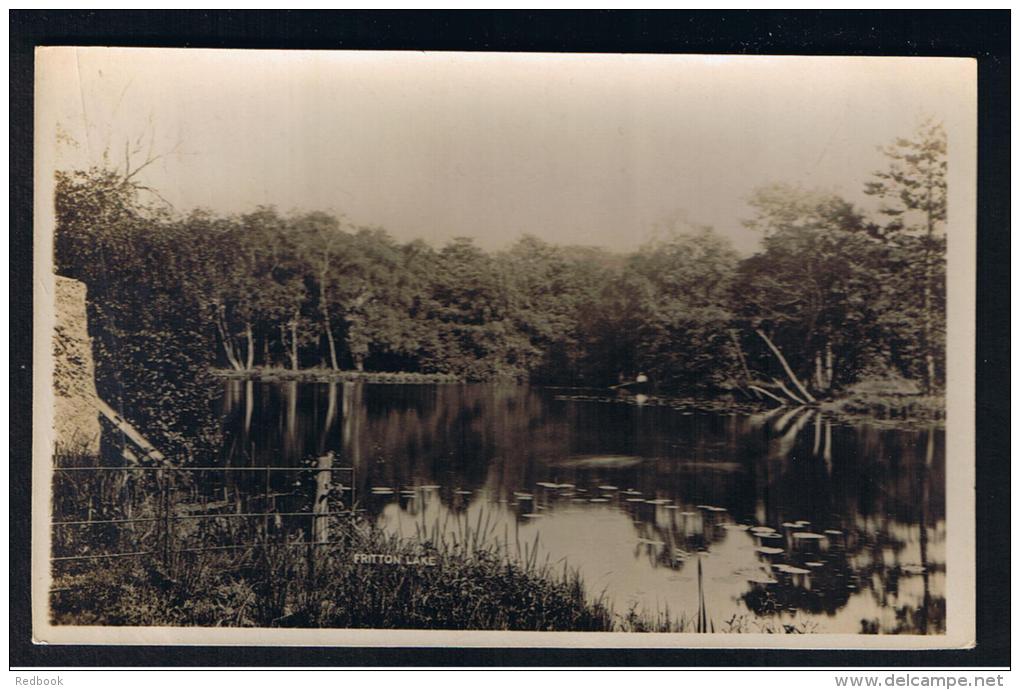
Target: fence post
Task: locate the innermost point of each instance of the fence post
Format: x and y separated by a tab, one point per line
320	509
265	509
164	499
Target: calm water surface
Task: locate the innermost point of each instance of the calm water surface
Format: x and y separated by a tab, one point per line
795	520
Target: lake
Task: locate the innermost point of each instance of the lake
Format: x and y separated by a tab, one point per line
796	522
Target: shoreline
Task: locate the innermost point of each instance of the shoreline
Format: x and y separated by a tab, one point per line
321	375
892	410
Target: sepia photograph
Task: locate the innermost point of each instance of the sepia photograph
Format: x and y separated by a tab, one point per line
524	349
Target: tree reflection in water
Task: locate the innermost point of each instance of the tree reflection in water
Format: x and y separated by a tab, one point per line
798	518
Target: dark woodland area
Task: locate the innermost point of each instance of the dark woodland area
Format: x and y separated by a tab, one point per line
834	298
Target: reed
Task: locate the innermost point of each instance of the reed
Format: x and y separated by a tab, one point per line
455	573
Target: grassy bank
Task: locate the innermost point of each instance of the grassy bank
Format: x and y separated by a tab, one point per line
890	410
230	570
279	586
890	401
469	585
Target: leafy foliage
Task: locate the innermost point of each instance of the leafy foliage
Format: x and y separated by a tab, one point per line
841	296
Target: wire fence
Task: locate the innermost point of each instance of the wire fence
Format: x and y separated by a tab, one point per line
103	513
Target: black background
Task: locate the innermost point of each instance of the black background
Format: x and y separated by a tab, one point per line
983	35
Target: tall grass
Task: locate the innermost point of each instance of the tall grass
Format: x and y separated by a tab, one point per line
239	572
471	586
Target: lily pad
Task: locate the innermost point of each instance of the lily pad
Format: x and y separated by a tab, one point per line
790	569
808	535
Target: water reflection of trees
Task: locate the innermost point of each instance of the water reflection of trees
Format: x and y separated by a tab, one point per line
875	495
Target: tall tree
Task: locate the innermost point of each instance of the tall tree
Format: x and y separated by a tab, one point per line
323	239
684	338
151	346
812	291
915	188
549	288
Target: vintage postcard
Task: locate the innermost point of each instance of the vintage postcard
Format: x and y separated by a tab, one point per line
390	349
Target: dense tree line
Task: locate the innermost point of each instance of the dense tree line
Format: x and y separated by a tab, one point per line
831	297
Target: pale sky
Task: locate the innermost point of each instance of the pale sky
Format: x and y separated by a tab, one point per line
576	149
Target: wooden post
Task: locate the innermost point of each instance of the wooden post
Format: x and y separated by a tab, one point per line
265	509
323	476
164	495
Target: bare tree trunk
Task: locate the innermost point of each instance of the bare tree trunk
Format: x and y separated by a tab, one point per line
757	389
743	364
828	364
790	394
929	359
228	346
283	338
293	343
329	338
325	313
250	339
786	367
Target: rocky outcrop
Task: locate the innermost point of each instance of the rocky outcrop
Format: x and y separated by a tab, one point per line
76	419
